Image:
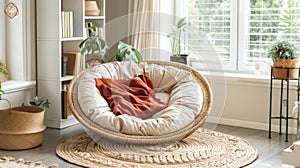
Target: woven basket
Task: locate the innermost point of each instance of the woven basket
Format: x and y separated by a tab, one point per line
21	127
139	139
282	67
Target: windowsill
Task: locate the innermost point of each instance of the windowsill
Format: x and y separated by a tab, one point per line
11	86
243	79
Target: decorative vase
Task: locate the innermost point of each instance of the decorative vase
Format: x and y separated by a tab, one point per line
21	127
91	8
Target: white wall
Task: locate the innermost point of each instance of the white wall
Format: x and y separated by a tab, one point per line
247	100
114	10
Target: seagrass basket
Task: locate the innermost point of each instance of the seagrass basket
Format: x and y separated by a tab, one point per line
21	127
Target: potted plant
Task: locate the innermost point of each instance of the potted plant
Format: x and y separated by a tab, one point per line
175	40
128	53
283	54
93	45
22	127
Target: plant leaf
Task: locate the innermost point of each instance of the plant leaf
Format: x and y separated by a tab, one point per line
3	71
46	104
138	55
181	22
92	28
36	99
119	58
170	35
128	52
92	45
32	103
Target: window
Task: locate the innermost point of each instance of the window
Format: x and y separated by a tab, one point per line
215	40
241	31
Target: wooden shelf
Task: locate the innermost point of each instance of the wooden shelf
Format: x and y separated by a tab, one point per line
66	78
72	39
94	17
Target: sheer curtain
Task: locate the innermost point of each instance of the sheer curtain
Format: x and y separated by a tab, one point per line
144	27
2	32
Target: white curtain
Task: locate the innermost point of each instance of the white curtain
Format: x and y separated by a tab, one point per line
2	32
144	27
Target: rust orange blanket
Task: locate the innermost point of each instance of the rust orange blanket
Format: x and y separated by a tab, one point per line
134	97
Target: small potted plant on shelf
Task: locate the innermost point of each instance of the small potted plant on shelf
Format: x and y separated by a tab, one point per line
175	40
285	59
22	127
94	47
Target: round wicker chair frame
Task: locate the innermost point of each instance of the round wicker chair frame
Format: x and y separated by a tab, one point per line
139	139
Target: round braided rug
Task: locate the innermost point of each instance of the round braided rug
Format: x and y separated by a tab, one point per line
10	162
204	148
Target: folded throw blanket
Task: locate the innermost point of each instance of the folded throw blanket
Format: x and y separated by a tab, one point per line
134	97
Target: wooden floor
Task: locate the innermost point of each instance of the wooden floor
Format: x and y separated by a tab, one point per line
269	149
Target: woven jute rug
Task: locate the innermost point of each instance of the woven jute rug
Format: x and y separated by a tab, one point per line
204	148
10	162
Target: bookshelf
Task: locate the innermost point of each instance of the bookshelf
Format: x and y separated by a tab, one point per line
98	21
51	44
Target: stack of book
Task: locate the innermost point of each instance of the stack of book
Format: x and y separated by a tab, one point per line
67	24
74	62
66	111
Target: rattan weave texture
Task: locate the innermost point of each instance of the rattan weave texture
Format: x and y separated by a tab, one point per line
125	138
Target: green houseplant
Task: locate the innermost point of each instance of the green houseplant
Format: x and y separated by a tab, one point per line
127	53
93	47
283	54
36	101
95	44
175	41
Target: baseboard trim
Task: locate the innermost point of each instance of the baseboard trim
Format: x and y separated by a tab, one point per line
254	125
63	123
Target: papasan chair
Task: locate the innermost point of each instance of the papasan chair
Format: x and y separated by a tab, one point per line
185	92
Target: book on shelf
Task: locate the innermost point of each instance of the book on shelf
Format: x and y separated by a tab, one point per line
67	24
74	62
64	61
66	111
71	24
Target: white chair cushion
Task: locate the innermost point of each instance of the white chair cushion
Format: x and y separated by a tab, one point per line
174	86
